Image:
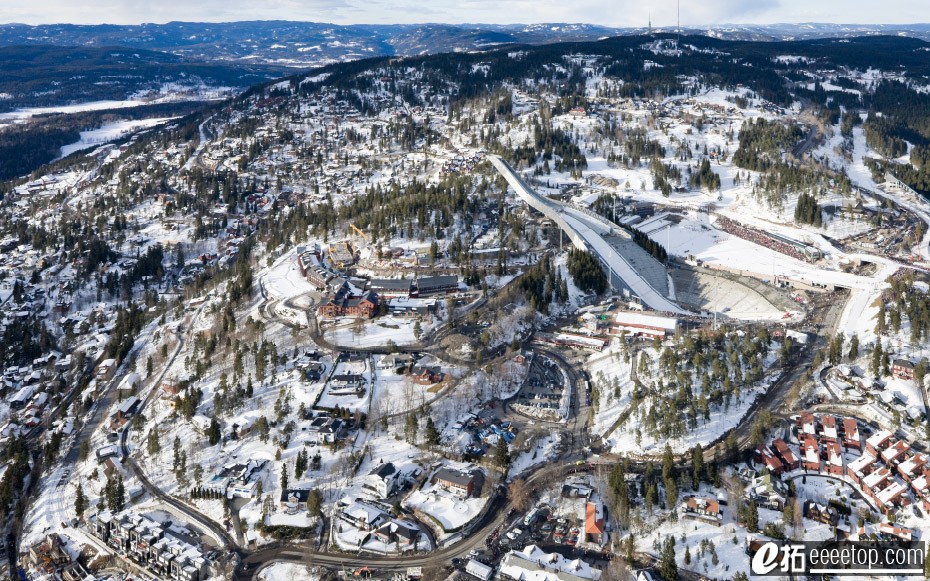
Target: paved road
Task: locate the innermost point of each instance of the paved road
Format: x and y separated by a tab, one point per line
188	511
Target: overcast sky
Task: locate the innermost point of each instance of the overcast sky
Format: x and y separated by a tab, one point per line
618	13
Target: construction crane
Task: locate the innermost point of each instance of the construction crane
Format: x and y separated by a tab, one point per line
359	232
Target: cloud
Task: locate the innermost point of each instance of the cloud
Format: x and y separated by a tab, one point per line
606	12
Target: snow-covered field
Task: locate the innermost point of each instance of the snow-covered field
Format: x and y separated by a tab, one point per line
445	508
110	132
543	450
288	572
24	113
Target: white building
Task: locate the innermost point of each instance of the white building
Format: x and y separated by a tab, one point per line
534	564
641	324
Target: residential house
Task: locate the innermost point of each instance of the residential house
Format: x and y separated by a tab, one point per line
898	532
768	492
895	453
402	533
828	431
861	467
364	515
876	481
771	462
707	509
124	412
902	369
834	459
786	455
48	555
427	375
912	467
820	513
383	479
534	564
106	369
129	385
878	442
395	361
810	454
294	499
921	488
460	483
890	496
808	424
851	436
167	550
595	529
327	429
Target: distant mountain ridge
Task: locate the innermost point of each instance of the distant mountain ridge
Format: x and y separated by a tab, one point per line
311	43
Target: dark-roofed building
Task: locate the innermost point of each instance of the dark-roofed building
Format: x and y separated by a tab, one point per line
295	498
328	429
902	369
397	531
458	482
427	285
391	287
343	304
427	375
383	479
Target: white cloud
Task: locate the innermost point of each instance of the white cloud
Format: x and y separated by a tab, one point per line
607	12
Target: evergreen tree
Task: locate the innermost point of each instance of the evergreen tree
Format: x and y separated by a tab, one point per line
853	347
80	501
432	434
119	494
213	432
668	463
697	463
668	568
501	454
752	517
314	502
671	494
411	427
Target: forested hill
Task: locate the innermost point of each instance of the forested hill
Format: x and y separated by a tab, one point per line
45	75
314	43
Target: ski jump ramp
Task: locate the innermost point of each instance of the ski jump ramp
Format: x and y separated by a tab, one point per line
590	232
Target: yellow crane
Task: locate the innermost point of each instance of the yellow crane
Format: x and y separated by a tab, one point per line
359	232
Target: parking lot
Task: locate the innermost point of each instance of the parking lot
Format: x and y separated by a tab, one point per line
542	393
541	526
480	433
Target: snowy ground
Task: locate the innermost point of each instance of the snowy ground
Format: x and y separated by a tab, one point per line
543	450
630	440
729	540
374	333
610	374
448	510
288	572
110	132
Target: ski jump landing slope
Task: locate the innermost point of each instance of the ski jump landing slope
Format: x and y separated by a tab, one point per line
587	232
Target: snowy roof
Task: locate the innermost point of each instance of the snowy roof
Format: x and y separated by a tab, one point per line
877	477
892	491
643	320
534	564
860	463
879	438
